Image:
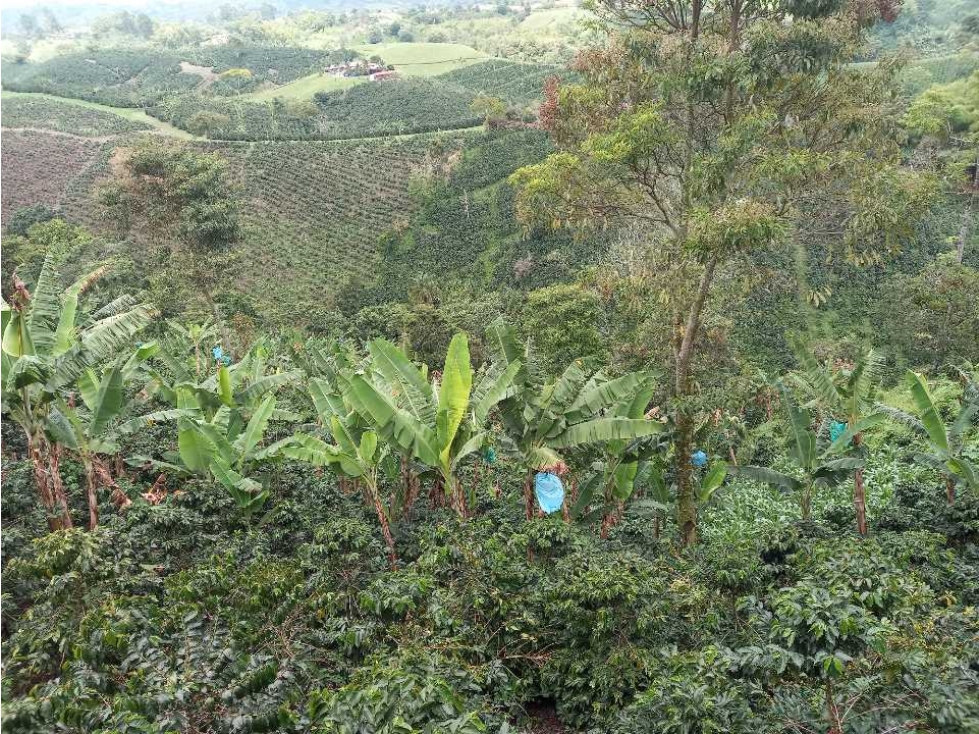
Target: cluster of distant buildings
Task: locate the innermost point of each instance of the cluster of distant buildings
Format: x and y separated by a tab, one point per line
359	67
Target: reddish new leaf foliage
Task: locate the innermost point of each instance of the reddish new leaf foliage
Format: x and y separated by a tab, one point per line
548	111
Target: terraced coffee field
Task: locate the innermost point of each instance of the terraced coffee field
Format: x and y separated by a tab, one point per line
50	113
40	167
313	212
514	82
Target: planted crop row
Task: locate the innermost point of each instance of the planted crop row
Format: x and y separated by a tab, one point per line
50	114
120	78
275	64
393	107
140	78
517	84
38	168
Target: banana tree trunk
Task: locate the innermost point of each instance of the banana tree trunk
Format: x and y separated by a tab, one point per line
91	486
806	504
457	497
35	450
58	487
436	494
528	494
859	493
118	497
409	483
382	518
950	490
119	465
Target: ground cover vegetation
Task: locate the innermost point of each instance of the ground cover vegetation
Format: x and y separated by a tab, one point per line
274	411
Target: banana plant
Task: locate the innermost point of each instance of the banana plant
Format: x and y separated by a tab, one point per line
223	446
660	495
238	387
225	411
849	394
616	473
91	429
442	422
574	410
352	450
947	443
818	460
47	346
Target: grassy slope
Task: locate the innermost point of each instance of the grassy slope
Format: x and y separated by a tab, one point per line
546	20
424	59
305	88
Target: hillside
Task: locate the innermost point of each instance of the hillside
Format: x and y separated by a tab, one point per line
424	59
601	368
517	84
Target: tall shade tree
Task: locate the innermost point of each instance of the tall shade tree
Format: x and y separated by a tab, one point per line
48	346
723	127
184	201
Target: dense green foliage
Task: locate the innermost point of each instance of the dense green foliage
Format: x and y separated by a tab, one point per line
275	406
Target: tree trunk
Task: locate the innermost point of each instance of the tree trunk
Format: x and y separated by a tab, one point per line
528	494
860	502
458	499
436	494
119	465
686	500
695	12
382	518
806	504
58	487
686	506
967	216
950	490
41	483
93	500
859	493
409	484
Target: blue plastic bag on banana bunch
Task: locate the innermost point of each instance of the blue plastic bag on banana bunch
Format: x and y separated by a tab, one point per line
549	491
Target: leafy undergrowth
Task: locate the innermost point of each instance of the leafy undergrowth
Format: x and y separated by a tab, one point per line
182	617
